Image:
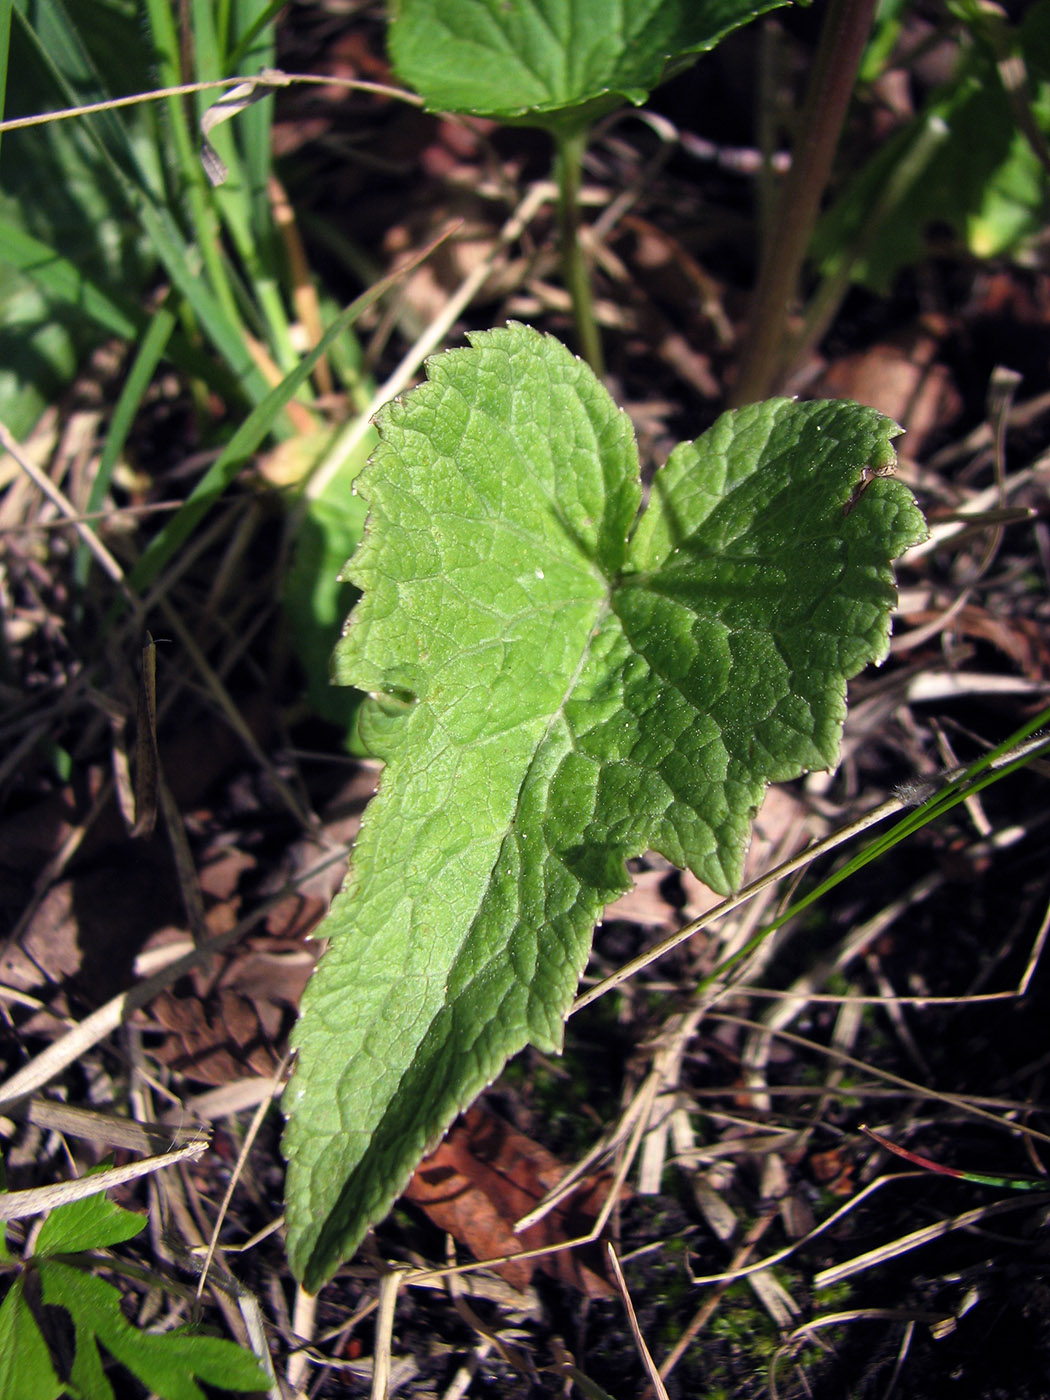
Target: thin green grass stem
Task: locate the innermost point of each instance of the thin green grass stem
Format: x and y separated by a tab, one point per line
63	54
1024	745
222	19
254	126
166	44
5	47
66	282
245	440
244	44
138	381
568	173
979	775
239	200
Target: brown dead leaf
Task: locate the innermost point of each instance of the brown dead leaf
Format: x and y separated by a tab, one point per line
1019	638
223	1026
902	378
217	1041
484	1177
834	1171
645	902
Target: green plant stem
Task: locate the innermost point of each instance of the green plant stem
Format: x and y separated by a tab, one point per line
148	356
5	46
239	199
568	171
847	24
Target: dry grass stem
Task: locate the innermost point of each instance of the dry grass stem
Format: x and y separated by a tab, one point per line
16	1205
239	1167
826	1278
268	78
656	1380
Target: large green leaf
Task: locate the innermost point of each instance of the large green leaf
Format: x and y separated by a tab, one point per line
552	62
554	689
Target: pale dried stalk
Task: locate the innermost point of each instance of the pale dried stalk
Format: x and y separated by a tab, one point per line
15	1205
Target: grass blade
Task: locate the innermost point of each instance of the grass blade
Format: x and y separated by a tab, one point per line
250	434
5	47
138	381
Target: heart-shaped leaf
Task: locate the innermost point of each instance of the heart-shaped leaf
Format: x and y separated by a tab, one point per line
557	686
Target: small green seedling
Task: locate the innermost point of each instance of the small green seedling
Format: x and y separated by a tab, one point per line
168	1364
558	682
558	65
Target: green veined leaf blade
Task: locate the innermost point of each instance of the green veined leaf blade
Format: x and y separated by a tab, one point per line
167	1363
548	703
551	61
25	1364
95	1222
